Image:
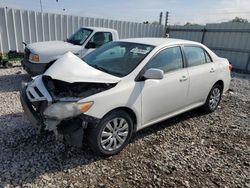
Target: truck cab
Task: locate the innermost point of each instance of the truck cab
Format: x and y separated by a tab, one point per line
39	56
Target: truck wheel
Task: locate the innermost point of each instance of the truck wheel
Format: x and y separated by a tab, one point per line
213	99
112	134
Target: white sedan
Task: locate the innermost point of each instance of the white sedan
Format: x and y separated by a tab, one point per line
122	87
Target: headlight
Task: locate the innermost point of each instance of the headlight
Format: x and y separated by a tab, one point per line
34	57
63	110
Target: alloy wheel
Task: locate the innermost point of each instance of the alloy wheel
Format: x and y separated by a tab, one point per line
114	134
214	98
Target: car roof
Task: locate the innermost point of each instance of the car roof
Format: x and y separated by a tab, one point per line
159	41
100	29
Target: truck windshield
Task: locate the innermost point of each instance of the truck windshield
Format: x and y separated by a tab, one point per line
79	37
118	58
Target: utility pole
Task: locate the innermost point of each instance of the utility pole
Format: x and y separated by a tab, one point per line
41	6
166	20
160	19
166	23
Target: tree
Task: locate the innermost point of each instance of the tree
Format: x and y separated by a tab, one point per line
188	23
191	24
155	23
239	20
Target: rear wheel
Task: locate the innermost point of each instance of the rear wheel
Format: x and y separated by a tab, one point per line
112	134
213	99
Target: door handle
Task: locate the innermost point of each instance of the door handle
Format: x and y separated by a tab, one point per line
212	70
183	79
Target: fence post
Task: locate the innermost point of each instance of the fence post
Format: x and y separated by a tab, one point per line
248	62
204	30
1	44
7	28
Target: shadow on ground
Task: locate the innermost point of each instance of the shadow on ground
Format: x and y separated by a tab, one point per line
12	82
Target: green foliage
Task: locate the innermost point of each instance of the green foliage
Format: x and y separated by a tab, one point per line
191	24
239	20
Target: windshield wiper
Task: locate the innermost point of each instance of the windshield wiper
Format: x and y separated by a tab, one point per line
107	71
99	68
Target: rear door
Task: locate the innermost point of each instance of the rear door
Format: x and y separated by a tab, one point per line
202	73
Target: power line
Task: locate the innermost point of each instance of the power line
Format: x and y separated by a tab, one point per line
41	6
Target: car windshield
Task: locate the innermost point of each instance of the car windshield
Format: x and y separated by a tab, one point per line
79	37
118	58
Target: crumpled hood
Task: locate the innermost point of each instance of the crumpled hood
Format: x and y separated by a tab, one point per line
70	68
52	48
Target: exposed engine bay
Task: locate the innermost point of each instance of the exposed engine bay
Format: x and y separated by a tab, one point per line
61	91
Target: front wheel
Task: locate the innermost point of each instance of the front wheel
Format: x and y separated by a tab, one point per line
112	134
213	99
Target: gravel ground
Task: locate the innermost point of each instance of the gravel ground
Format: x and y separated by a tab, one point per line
191	150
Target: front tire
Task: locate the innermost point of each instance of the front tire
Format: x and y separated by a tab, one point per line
112	134
213	99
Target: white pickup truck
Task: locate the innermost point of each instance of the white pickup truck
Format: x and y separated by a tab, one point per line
39	56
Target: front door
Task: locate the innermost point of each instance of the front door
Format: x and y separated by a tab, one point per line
168	95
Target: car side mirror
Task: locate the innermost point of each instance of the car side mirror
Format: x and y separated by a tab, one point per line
90	45
156	74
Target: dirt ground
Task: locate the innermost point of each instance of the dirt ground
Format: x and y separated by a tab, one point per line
191	150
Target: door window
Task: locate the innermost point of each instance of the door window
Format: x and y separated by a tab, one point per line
101	38
169	59
196	56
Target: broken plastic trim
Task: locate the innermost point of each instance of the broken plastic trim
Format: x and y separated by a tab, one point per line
64	91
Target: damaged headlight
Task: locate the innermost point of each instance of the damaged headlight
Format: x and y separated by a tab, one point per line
63	110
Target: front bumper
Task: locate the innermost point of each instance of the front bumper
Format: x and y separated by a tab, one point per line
71	129
29	111
34	69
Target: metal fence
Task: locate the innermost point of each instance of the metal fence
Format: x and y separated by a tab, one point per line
17	26
229	40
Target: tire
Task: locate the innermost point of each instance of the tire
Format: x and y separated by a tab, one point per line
213	99
111	134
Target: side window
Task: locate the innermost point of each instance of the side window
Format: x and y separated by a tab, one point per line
167	60
101	38
195	56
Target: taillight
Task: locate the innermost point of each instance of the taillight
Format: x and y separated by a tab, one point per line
230	66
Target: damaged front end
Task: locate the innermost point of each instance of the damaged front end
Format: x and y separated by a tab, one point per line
53	105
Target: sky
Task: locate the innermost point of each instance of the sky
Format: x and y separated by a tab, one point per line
181	11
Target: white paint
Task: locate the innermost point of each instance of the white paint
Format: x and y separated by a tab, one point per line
79	71
151	100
